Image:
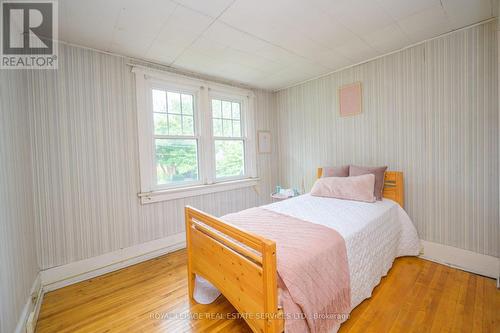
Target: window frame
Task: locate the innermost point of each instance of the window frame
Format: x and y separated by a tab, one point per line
233	98
180	89
202	92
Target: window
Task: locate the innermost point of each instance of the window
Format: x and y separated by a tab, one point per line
228	140
195	137
176	146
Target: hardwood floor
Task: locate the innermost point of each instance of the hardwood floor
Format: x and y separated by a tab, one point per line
416	296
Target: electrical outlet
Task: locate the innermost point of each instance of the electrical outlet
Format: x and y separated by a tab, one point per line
421	252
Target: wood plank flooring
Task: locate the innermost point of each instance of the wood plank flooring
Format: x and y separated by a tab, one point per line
416	296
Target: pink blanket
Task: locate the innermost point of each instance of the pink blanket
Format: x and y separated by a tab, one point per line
312	268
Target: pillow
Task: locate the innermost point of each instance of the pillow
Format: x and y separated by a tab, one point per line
379	173
358	188
342	171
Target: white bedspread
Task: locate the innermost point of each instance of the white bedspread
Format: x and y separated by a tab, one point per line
375	234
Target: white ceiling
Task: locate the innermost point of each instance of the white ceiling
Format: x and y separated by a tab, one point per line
263	43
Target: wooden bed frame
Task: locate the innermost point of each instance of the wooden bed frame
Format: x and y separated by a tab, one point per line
242	265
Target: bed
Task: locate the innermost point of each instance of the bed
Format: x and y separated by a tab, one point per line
243	265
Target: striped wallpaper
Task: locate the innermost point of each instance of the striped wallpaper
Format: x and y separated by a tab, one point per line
85	155
430	111
18	262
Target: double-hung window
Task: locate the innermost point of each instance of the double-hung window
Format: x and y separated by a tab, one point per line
229	140
195	137
175	137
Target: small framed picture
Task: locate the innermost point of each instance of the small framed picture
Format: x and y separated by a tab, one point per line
264	142
350	99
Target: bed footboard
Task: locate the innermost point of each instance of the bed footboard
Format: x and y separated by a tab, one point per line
240	264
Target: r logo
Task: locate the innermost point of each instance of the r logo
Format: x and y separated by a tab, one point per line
27	28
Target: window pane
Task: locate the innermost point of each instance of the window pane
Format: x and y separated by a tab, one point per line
216	109
174	124
227	128
229	158
217	127
159	101
236	111
187	104
174	102
161	123
176	160
236	128
187	125
226	110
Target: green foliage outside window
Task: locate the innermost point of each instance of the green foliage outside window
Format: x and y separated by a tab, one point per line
229	160
176	160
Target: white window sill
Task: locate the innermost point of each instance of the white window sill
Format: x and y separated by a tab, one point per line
185	192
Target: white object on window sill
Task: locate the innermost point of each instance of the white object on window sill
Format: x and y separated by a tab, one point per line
184	192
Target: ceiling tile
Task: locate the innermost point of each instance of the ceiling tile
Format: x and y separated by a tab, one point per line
212	8
183	27
145	17
425	24
277	22
403	8
208	47
359	16
387	39
130	43
269	20
278	54
326	31
242	73
228	44
223	33
301	45
88	23
332	59
285	79
465	12
183	19
309	68
165	53
251	60
138	24
357	50
218	67
237	39
222	53
198	62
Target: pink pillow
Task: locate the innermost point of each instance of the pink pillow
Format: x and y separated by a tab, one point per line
358	188
342	171
379	173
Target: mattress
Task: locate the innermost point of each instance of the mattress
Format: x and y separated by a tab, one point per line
374	233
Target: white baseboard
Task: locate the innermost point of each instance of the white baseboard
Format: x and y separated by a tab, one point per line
31	308
466	260
65	275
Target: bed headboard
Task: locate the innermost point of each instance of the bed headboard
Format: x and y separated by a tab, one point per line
393	186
